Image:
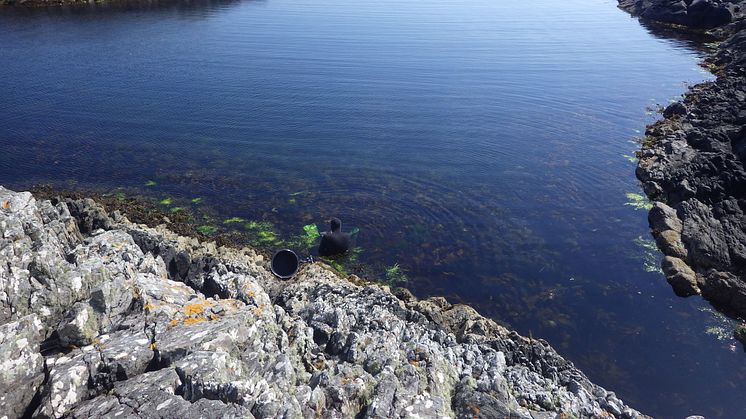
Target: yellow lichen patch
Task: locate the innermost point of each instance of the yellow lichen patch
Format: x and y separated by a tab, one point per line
196	308
153	346
148	306
194	320
173	323
258	310
6	205
214	317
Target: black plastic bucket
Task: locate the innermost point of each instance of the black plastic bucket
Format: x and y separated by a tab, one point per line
285	263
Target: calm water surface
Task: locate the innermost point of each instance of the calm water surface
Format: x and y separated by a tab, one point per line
480	145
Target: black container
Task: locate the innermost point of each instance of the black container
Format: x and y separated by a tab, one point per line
285	263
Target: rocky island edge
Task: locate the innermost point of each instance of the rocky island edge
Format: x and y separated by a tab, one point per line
691	164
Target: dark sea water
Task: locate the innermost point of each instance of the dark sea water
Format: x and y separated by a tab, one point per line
477	145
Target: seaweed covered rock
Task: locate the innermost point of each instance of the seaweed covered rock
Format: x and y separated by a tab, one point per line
105	318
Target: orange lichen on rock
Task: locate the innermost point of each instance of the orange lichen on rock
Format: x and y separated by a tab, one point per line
196	308
6	205
173	323
148	306
153	346
194	320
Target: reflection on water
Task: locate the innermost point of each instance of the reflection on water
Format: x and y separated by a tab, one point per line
481	149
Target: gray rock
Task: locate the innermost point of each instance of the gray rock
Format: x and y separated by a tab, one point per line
21	364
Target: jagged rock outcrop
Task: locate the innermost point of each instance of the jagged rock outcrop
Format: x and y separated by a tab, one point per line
692	166
105	318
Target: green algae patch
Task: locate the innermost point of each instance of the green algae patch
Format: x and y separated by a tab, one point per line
176	210
395	275
719	332
630	158
196	201
150	183
638	202
650	255
234	220
207	230
740	334
267	238
336	264
259	225
166	201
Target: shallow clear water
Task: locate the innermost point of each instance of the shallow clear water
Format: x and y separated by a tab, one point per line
478	144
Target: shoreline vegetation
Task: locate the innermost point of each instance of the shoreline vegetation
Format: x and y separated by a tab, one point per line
106	317
691	163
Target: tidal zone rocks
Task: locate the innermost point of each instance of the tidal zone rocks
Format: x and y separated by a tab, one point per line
100	317
692	162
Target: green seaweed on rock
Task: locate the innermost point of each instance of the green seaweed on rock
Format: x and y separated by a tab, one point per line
336	264
207	230
196	201
150	183
176	210
258	225
395	275
166	201
234	220
307	240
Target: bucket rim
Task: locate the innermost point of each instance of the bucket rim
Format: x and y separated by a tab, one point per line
272	264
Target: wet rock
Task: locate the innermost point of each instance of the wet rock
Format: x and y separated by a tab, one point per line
674	109
681	277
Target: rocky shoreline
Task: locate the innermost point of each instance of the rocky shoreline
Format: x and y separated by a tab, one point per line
105	317
692	161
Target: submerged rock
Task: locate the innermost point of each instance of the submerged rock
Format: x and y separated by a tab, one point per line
740	334
123	320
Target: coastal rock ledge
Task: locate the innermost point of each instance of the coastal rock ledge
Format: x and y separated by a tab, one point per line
693	161
103	317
